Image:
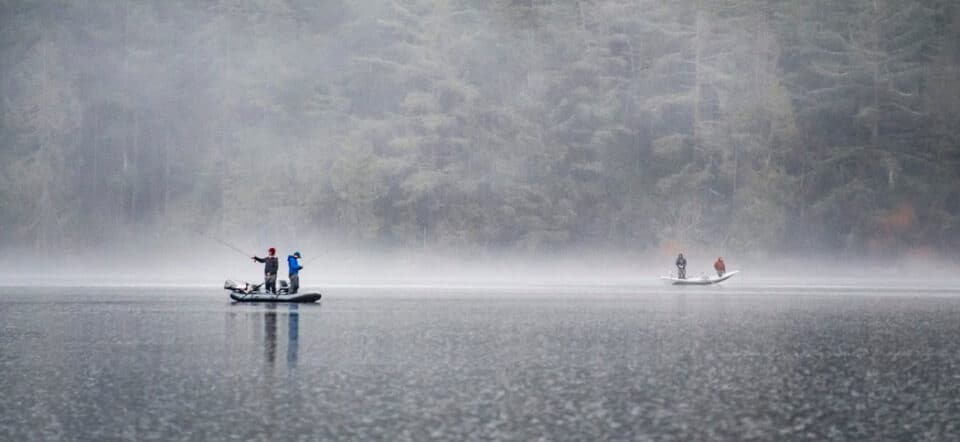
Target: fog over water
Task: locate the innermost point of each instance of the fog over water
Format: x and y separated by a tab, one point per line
351	269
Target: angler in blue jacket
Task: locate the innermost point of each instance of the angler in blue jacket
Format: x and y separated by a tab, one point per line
295	267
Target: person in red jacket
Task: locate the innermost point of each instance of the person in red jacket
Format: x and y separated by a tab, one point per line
720	267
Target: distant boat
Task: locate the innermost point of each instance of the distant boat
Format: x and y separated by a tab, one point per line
703	280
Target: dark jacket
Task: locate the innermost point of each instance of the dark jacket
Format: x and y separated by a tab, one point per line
681	262
271	264
293	265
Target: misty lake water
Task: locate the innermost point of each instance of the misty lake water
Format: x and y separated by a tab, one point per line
616	363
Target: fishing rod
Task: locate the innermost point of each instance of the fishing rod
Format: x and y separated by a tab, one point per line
223	243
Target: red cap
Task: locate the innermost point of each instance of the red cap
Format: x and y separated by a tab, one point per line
272	250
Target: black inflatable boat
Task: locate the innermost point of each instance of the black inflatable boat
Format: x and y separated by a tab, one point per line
266	297
246	292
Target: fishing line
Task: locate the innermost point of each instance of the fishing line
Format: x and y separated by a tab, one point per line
222	242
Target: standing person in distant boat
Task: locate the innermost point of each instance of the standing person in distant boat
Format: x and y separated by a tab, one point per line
719	266
681	267
295	267
270	267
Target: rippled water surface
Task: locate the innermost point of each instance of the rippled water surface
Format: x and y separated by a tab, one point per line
720	363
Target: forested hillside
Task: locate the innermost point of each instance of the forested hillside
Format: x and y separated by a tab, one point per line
531	125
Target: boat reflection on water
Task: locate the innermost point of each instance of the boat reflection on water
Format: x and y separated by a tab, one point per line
293	332
270	335
271	315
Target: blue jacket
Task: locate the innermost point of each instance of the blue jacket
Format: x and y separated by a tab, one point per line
293	265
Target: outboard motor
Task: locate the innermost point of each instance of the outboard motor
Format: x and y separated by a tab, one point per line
243	288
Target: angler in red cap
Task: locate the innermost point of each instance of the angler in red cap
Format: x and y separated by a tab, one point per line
270	267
